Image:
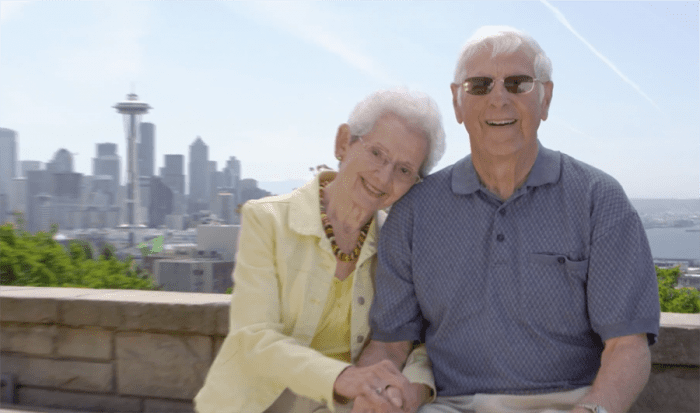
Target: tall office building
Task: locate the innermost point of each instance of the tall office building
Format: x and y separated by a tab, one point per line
38	199
8	160
198	172
161	202
146	149
232	178
173	173
65	199
26	166
62	162
108	163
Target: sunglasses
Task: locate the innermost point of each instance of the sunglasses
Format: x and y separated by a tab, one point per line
514	84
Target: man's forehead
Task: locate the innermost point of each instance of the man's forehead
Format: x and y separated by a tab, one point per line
483	63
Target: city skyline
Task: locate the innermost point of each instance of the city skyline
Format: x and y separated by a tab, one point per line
269	84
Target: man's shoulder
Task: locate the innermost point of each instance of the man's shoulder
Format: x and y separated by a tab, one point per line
587	184
435	182
579	173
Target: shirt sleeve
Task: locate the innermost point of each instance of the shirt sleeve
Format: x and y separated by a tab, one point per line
395	313
255	317
418	369
623	297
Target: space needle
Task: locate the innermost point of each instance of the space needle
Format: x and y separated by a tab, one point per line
132	109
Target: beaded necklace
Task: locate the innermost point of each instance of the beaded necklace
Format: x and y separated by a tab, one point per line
328	229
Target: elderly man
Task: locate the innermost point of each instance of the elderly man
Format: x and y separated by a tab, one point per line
527	273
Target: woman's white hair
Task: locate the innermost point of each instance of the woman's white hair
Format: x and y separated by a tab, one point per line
415	108
503	40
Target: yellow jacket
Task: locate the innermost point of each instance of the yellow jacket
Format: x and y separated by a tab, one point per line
284	270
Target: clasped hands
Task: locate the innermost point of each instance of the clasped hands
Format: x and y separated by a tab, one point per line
379	388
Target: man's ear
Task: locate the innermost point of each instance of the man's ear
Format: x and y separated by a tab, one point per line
456	101
547	99
342	141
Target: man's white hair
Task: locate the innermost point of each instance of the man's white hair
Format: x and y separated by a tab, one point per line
503	40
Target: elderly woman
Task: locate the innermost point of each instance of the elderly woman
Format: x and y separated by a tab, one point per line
304	277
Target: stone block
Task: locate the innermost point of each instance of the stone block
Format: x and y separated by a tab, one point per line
88	342
670	389
85	312
167	406
677	345
27	338
222	319
59	374
28	310
162	365
79	401
168	317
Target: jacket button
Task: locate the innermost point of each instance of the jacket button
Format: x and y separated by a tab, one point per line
360	339
561	260
361	300
500	237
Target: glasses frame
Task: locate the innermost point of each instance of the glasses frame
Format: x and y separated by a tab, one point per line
493	84
385	160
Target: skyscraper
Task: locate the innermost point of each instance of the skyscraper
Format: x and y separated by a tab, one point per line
8	159
107	162
62	162
173	173
146	149
198	171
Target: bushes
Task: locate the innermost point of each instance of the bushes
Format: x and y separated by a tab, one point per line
676	300
38	260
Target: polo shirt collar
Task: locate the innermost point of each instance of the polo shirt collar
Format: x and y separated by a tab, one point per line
546	170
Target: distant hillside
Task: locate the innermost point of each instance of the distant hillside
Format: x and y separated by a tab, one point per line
653	206
281	187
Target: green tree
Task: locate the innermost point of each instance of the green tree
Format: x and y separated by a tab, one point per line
39	260
673	299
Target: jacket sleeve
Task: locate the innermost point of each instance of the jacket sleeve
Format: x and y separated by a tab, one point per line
418	369
265	350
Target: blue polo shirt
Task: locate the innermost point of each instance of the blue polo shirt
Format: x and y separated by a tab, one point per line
515	297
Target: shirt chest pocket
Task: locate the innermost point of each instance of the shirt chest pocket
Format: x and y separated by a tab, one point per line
553	293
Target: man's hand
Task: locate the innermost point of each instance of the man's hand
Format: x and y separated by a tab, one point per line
374	382
413	399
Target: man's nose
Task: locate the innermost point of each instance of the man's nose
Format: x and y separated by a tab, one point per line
499	95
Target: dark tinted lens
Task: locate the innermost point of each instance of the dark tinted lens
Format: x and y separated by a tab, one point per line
519	84
478	85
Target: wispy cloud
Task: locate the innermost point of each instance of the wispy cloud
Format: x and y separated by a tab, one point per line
11	9
305	21
115	48
605	60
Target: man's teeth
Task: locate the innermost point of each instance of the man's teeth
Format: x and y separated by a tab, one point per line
500	122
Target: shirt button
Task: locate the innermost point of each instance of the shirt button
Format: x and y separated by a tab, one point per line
361	300
500	237
561	260
360	339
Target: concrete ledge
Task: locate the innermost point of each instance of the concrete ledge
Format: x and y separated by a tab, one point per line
126	310
146	351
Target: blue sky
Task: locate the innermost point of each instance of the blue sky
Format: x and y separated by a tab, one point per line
269	83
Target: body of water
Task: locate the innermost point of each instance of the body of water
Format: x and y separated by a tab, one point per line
674	242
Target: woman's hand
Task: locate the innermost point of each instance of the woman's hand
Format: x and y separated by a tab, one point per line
417	395
372	382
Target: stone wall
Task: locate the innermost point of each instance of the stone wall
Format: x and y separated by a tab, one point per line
144	351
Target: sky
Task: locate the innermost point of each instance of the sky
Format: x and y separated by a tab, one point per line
269	83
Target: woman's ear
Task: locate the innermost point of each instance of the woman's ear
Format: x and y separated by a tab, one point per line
342	141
